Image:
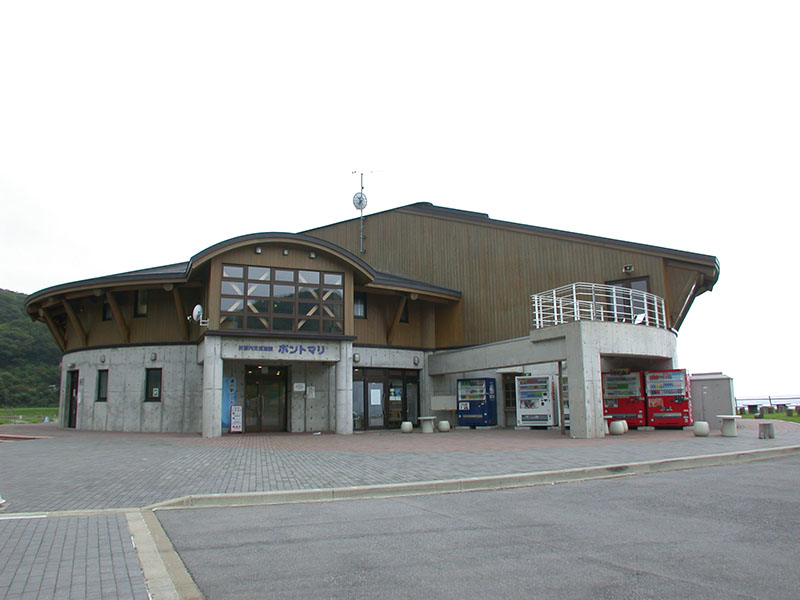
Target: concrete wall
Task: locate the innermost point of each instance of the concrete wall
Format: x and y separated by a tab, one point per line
584	345
180	407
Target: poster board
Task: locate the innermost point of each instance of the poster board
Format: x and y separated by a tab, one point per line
236	419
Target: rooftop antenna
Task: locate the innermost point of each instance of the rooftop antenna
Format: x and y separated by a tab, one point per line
360	202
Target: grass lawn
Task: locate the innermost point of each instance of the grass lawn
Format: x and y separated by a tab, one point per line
27	414
778	416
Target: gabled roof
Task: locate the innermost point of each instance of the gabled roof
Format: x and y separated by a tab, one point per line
478	218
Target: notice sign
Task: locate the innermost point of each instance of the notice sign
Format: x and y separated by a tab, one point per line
236	419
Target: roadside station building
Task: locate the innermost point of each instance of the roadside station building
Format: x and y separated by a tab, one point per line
326	330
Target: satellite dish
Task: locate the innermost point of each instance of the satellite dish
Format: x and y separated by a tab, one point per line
360	201
197	316
197	313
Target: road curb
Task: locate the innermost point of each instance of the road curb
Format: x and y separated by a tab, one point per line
495	482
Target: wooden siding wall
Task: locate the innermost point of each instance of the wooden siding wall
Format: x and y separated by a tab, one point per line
159	326
417	333
496	268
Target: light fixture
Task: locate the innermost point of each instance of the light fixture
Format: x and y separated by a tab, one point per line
153	356
258	249
312	254
416	360
356	357
627	268
286	252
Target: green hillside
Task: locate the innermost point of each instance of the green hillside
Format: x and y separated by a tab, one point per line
29	358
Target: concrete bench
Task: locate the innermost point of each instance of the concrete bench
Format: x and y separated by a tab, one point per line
766	431
729	425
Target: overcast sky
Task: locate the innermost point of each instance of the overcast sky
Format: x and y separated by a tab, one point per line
134	135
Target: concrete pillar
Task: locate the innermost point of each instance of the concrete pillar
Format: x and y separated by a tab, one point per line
212	386
585	388
344	389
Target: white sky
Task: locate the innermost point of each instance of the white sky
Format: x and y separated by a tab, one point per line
134	135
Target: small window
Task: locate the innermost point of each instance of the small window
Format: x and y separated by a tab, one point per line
107	316
360	305
140	305
153	386
102	385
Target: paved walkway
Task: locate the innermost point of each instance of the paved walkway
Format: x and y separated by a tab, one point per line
79	470
67	470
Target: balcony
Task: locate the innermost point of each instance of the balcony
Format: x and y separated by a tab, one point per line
597	302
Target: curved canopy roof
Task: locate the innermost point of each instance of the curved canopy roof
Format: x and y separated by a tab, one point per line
181	272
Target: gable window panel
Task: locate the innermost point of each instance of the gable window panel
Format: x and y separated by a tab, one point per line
284	300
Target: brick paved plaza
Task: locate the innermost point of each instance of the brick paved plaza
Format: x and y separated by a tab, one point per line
44	469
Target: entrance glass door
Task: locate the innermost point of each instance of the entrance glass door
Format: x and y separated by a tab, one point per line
394	404
265	399
385	398
375	404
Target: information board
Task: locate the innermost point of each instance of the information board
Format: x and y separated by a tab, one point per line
236	419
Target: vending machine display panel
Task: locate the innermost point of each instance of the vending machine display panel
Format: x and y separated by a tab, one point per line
477	402
623	397
669	402
535	401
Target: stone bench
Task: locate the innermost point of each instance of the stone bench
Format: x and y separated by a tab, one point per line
729	425
426	424
766	431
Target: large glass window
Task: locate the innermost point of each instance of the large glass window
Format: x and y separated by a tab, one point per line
285	300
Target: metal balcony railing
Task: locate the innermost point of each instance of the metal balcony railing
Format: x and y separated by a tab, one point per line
597	302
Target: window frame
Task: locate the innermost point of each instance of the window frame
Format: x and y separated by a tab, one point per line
298	300
101	393
140	303
149	387
360	299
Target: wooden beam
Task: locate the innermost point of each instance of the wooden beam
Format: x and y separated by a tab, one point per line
76	323
397	315
54	330
182	321
118	318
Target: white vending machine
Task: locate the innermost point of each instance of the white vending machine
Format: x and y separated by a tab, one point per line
535	406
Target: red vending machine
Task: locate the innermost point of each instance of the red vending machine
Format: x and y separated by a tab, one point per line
669	402
623	397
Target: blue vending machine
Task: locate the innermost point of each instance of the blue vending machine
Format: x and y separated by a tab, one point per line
477	402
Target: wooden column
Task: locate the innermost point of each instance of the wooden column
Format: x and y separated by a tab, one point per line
182	321
54	330
118	318
398	313
73	319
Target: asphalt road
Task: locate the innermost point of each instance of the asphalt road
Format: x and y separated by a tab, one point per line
721	532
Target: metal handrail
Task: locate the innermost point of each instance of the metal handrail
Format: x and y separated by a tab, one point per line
597	302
